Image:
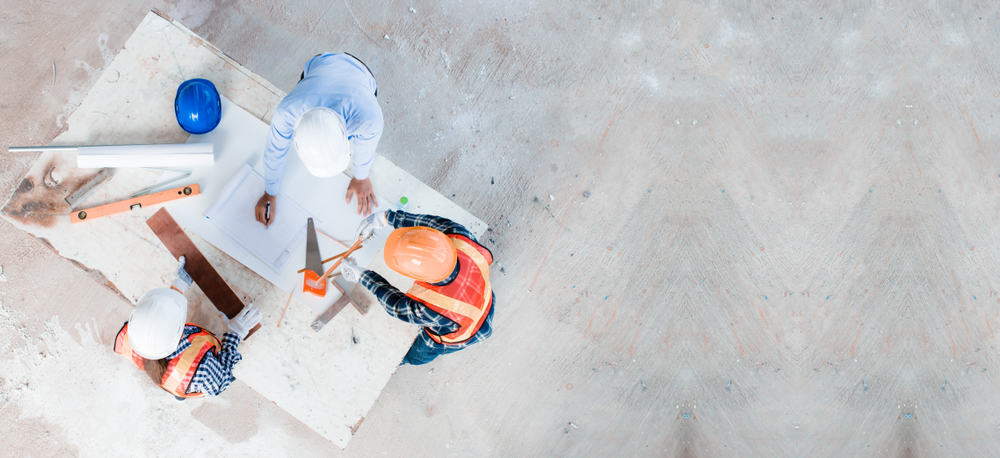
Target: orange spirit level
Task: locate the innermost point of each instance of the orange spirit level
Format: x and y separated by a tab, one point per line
134	203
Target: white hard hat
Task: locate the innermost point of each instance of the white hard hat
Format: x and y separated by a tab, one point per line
157	323
321	142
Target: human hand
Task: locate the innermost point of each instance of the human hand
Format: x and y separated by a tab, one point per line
261	211
366	195
366	229
350	270
243	322
182	279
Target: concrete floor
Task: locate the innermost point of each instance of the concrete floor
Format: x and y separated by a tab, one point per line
788	246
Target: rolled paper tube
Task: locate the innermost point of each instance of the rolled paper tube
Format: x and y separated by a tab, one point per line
169	155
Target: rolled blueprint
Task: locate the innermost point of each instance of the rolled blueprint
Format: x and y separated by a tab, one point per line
180	155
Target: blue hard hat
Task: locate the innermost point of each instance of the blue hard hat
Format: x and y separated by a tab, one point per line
197	106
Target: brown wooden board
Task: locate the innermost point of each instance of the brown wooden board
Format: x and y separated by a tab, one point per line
207	278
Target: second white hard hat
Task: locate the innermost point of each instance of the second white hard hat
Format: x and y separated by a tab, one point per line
321	142
157	323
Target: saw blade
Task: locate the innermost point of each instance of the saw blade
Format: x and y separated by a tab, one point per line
314	261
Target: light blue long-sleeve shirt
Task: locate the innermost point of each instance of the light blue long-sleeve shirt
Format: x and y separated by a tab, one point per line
341	83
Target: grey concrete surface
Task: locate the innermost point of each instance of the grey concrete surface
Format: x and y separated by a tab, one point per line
788	248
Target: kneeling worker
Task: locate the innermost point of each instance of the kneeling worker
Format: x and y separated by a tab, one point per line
452	298
183	359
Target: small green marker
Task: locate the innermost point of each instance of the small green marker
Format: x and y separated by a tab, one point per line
402	203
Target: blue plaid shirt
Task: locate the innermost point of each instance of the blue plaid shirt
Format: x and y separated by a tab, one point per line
410	310
215	372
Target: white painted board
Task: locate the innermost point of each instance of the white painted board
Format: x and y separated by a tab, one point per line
239	139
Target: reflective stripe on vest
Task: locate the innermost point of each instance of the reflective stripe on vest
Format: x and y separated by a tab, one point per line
467	299
180	370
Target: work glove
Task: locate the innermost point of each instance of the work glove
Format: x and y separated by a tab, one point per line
243	322
183	280
366	229
350	270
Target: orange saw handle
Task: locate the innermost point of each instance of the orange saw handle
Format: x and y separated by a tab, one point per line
312	285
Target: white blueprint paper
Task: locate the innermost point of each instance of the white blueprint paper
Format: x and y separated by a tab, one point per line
233	213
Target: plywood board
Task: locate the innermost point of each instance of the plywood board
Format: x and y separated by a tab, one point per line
328	380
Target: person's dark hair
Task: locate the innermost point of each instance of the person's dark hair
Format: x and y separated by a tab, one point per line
155	368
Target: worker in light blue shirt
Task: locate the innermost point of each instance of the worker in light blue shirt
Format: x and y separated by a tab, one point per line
333	119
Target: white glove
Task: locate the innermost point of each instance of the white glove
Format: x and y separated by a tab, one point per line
366	229
350	270
183	280
244	321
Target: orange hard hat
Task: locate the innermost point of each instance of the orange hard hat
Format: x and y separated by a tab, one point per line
420	253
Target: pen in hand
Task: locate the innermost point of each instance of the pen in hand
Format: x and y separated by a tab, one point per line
267	215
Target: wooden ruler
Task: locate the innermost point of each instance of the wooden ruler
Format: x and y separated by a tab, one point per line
207	278
135	203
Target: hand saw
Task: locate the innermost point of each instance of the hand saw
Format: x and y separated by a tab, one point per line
314	264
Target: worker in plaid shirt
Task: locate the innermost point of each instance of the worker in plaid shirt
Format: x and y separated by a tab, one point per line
215	372
183	359
451	298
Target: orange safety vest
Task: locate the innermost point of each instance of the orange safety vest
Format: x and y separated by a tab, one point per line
467	299
181	369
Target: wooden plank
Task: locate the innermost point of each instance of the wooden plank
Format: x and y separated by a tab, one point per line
207	278
134	203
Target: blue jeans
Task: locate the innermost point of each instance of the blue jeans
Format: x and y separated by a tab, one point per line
422	353
419	354
424	350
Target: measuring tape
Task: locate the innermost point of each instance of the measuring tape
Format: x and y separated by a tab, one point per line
135	203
